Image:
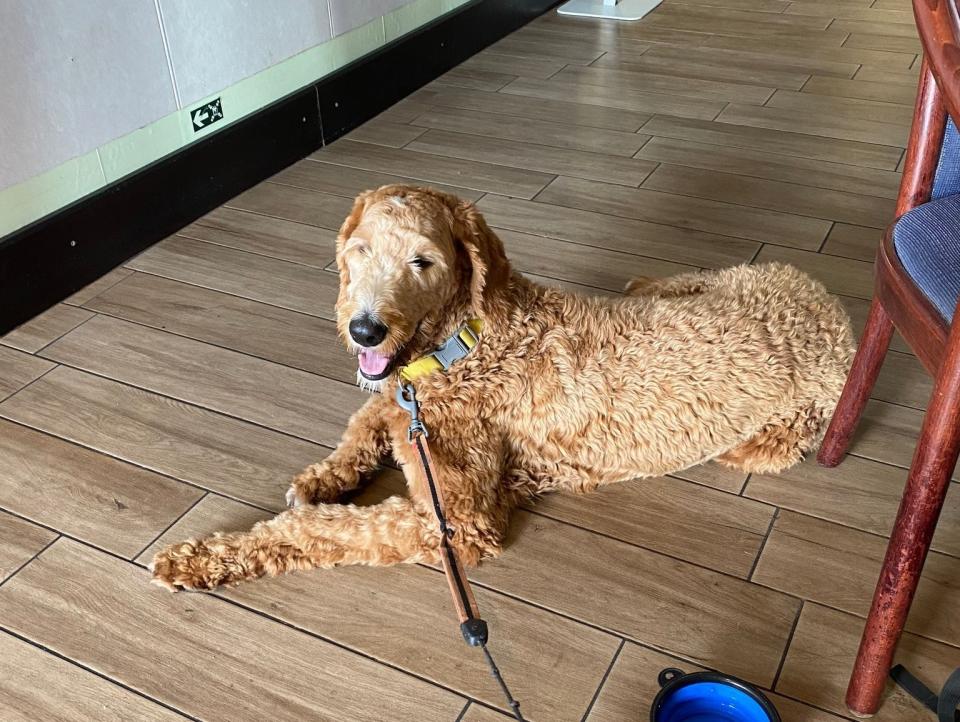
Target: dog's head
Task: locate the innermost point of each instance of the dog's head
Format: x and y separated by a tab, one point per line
414	263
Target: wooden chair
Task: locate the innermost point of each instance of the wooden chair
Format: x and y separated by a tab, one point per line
916	291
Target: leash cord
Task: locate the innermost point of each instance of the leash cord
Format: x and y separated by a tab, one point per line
495	673
428	470
461	583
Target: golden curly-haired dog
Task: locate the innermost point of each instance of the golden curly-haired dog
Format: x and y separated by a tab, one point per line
562	391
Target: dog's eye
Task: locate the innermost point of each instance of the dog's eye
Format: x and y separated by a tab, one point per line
362	250
421	262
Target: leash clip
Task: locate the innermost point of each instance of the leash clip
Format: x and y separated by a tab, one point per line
407	400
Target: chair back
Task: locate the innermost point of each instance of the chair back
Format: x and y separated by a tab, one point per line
938	24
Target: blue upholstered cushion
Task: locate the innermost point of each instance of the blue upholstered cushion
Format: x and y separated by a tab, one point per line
927	241
947	180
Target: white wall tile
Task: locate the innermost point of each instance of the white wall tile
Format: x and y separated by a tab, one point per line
215	43
350	14
74	75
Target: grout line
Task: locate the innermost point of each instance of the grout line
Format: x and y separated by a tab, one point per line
233	295
288	185
786	649
264	615
31	383
463	711
814	706
678	655
536	144
237	209
139	465
746	481
656	166
763	544
575	127
851	527
423	131
214	344
567	65
642	146
437	104
603	681
275	430
71	330
775	154
185	236
635	545
94	672
531	145
903	156
826	237
171	525
196	404
537	195
34	556
512	78
767	209
493	590
218	595
64	535
119	280
667	225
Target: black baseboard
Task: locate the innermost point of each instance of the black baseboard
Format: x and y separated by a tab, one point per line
52	258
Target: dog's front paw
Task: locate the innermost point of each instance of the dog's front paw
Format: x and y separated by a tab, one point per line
194	565
316	484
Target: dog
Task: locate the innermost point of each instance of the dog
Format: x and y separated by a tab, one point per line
561	392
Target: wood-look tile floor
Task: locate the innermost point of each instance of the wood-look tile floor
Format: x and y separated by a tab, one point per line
177	395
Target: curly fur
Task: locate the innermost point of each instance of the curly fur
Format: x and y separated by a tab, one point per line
743	366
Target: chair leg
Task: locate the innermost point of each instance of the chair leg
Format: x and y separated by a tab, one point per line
927	483
863	375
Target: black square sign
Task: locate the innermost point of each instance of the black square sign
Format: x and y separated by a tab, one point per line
206	114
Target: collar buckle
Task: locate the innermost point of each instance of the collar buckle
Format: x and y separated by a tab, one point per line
455	348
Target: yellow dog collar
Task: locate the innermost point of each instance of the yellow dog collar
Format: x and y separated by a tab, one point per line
453	349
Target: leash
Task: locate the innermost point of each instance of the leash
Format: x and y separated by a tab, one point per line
943	705
472	626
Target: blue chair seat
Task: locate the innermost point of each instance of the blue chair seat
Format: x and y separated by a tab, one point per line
927	242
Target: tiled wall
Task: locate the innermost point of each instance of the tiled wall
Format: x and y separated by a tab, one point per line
91	91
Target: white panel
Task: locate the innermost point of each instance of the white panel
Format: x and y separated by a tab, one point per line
74	75
350	14
215	43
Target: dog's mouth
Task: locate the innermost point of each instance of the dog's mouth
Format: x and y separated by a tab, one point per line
377	365
374	365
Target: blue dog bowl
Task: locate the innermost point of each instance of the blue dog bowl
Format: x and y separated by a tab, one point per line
709	697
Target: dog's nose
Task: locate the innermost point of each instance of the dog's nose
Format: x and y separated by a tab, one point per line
367	331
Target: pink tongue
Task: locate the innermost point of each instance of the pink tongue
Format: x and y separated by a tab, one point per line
373	363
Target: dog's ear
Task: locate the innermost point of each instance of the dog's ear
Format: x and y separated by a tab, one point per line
346	231
353	218
489	267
